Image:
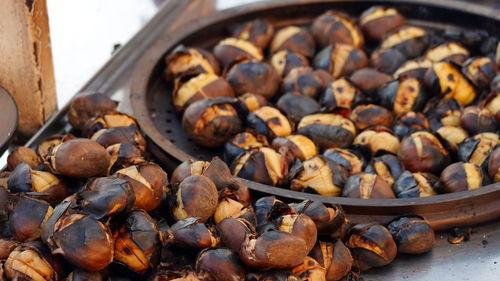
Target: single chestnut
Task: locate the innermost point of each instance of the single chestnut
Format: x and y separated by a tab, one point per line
443	112
87	105
423	152
276	275
228	207
254	77
448	51
341	93
492	103
410	185
310	269
233	231
238	144
369	80
340	59
334	257
196	196
295	147
366	185
23	154
296	105
261	164
211	122
190	61
123	155
45	146
219	264
411	41
231	51
6	247
386	166
371	245
414	68
476	149
270	122
409	123
480	70
387	60
477	120
378	21
333	27
115	135
331	221
494	165
350	159
285	61
263	207
28	218
300	225
293	39
453	136
378	139
303	80
327	130
461	176
402	95
258	31
367	115
83	275
412	234
249	103
108	120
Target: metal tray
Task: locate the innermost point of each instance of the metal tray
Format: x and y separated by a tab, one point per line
151	101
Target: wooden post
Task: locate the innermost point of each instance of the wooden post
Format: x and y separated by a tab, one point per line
26	68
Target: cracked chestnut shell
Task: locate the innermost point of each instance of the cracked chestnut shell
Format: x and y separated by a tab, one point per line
255	77
331	221
480	70
296	105
411	185
443	112
231	51
300	225
334	257
327	130
88	105
229	207
412	234
423	152
371	245
285	61
258	31
238	144
45	147
414	68
219	265
367	115
340	59
23	154
351	160
137	242
402	95
196	196
28	217
411	41
211	122
453	136
116	135
378	21
387	60
409	123
310	269
123	155
6	247
249	102
293	39
261	164
82	275
333	27
320	175
378	139
263	206
192	233
108	120
295	147
165	274
492	103
476	149
190	61
387	166
303	80
477	120
448	51
270	122
369	80
341	93
366	186
494	165
461	176
233	231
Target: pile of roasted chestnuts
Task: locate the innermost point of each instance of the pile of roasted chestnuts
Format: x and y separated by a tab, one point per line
368	107
90	205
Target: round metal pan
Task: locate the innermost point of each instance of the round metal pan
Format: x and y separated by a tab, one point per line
9	117
151	102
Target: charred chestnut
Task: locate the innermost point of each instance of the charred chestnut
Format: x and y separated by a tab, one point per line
340	59
334	257
211	122
303	80
327	130
351	160
320	175
452	135
219	264
296	105
28	218
109	120
492	103
333	27
310	269
148	182
409	123
449	51
137	242
378	139
341	93
414	68
444	112
4	204
202	86
6	247
23	154
402	95
239	144
270	122
377	21
477	120
123	155
444	78
461	176
494	165
476	149
371	245
387	166
285	61
411	41
261	164
196	196
190	61
367	115
228	207
254	77
387	60
249	103
263	206
233	231
231	51
258	31
88	105
410	185
116	135
480	70
369	79
166	274
299	225
293	39
82	275
413	234
423	152
365	186
330	221
295	147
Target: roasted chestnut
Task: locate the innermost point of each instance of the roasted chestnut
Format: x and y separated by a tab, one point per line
377	21
270	122
378	139
310	270
387	166
123	155
229	207
108	120
202	86
477	120
333	27
449	51
273	249
263	206
115	135
296	105
6	247
23	154
28	218
444	78
371	245
190	61
351	160
320	175
423	152
409	123
411	41
340	59
249	103
341	93
443	112
137	242
299	225
79	158
330	221
369	80
295	147
4	204
233	231
148	182
219	264
327	130
239	144
387	60
494	165
410	185
231	51
258	31
303	80
293	39
47	186
367	115
280	275
366	185
166	274
285	61
476	149
480	70
196	196
82	275
334	257
461	176
413	234
254	77
45	146
261	164
452	135
414	68
402	95
211	122
87	105
492	103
